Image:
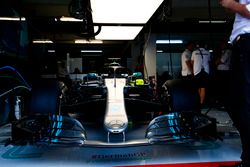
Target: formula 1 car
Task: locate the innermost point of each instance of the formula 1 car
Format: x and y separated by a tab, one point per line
112	109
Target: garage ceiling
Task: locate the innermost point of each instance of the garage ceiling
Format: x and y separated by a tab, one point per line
175	18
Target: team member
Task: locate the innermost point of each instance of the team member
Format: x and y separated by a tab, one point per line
201	68
186	66
239	106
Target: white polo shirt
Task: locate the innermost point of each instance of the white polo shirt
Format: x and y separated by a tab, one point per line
185	56
201	59
241	24
225	60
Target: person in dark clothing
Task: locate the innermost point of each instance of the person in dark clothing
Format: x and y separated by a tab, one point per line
239	100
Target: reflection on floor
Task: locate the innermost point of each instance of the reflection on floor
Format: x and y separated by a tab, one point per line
134	152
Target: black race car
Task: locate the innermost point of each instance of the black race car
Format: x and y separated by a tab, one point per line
112	108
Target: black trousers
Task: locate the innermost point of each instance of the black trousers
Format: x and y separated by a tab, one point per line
239	99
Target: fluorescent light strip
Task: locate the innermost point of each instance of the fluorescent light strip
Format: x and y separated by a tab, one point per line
42	41
12	19
159	51
118	32
83	41
123	11
51	51
114	58
91	55
212	21
70	19
169	41
91	51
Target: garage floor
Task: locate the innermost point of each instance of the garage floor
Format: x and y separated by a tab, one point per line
135	151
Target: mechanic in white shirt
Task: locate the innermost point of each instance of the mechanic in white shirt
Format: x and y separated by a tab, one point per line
201	67
224	60
186	65
239	99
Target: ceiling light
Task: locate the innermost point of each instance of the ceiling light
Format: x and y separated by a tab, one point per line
116	12
212	21
91	51
12	19
169	41
118	32
83	41
70	19
51	51
42	41
159	51
120	11
123	11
